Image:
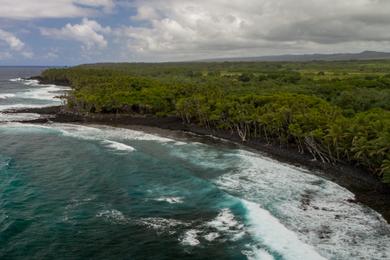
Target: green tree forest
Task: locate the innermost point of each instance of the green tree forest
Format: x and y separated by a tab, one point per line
335	111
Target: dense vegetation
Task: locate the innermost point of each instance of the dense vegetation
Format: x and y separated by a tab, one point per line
336	111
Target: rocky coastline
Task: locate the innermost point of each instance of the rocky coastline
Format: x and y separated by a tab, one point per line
368	190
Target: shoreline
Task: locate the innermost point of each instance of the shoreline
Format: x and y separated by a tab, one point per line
368	190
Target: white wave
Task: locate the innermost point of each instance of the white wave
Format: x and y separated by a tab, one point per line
178	143
171	200
205	156
225	223
6	95
190	238
112	216
195	232
18	117
27	82
19	106
211	236
110	136
270	232
30	82
317	210
17	126
16	80
118	146
129	134
223	227
257	254
40	91
35	91
98	132
163	224
43	92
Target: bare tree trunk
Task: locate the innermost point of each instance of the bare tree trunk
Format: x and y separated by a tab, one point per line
241	132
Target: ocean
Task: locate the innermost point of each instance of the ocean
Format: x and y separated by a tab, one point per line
72	191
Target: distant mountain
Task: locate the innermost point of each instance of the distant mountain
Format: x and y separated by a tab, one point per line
366	55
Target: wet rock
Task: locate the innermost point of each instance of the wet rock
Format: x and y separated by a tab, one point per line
325	232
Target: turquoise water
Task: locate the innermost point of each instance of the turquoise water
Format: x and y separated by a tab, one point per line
83	191
77	198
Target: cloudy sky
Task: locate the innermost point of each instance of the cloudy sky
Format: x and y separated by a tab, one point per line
68	32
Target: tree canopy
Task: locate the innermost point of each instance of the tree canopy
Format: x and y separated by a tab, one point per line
336	111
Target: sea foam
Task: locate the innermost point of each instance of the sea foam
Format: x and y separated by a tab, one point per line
270	232
190	238
113	216
118	146
98	132
162	224
37	91
226	223
316	210
6	95
19	106
16	80
18	117
257	254
43	93
171	200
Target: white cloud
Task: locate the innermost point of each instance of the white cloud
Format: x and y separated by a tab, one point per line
5	55
27	54
11	40
14	46
88	32
161	30
51	55
194	29
145	13
29	9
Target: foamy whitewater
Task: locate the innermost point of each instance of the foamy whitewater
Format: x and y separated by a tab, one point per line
17	93
72	191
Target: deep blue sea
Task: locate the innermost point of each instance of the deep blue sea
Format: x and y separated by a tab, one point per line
97	192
